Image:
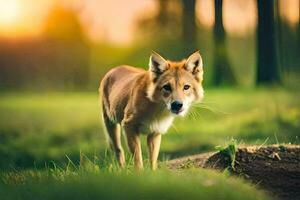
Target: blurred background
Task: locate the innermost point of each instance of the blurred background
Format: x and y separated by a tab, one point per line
53	54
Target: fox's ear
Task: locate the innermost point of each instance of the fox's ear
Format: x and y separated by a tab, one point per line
157	64
194	64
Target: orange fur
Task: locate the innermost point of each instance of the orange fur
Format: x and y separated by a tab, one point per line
146	102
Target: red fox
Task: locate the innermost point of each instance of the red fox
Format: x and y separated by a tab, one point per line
146	102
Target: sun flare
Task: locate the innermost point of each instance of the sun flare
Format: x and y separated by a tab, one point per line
22	18
10	12
11	17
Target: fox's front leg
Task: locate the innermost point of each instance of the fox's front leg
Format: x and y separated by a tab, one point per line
134	144
153	141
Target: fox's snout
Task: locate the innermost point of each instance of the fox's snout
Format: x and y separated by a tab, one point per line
176	106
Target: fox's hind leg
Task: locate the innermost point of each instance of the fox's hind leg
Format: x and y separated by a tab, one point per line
114	133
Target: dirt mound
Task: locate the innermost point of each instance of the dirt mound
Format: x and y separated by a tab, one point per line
273	168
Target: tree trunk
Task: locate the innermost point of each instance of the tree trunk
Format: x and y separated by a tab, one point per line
162	17
223	73
189	28
267	69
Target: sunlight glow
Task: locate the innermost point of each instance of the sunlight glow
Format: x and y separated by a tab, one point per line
289	11
22	18
205	13
10	12
114	20
11	18
239	17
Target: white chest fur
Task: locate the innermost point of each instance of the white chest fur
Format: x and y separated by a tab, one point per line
158	124
161	125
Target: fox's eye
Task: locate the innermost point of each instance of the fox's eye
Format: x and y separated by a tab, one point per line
167	87
186	87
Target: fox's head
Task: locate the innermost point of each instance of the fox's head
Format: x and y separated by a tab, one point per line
176	84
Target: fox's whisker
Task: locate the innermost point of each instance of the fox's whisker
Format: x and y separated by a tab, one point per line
214	110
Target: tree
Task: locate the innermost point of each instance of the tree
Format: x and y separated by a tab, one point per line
68	48
164	30
223	73
267	67
189	27
164	24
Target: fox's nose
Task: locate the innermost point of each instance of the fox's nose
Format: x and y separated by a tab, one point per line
176	106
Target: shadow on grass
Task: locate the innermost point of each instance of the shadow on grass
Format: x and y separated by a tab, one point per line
167	155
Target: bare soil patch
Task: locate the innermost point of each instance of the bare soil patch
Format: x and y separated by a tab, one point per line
275	168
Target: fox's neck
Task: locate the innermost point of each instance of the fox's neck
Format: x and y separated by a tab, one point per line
150	88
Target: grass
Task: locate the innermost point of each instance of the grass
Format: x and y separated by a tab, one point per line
193	184
56	140
39	128
89	181
229	151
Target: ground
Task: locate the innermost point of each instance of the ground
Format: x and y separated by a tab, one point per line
275	168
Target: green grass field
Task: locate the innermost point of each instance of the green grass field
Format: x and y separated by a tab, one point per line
43	136
38	128
190	184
